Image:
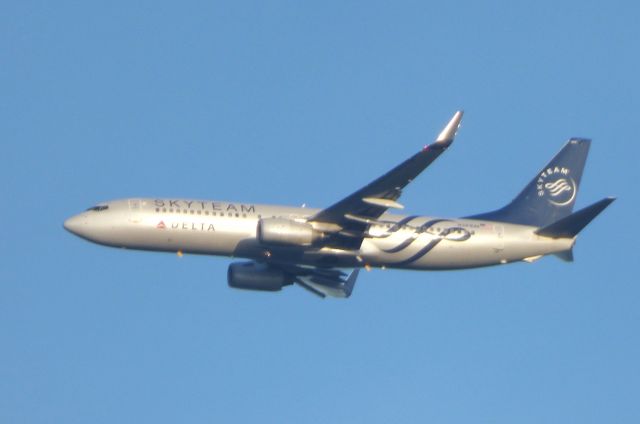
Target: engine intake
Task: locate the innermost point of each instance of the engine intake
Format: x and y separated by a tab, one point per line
282	231
254	276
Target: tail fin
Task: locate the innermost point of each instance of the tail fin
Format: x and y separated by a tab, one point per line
551	194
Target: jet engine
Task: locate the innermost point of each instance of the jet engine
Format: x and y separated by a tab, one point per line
254	276
281	231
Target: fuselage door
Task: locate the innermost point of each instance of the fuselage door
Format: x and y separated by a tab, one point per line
498	230
134	210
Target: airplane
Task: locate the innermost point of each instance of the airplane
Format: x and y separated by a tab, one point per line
313	247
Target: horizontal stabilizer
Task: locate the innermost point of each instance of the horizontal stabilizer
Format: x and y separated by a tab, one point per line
570	226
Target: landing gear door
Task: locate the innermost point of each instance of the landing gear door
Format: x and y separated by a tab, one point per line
134	210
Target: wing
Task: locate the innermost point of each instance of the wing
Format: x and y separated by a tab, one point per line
348	220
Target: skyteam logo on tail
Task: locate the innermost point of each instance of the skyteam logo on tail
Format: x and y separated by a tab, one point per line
557	186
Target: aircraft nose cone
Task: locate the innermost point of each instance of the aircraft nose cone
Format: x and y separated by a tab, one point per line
73	224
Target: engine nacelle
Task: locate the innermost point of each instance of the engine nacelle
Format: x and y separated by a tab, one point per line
281	231
253	276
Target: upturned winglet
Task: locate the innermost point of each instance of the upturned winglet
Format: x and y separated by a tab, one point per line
448	133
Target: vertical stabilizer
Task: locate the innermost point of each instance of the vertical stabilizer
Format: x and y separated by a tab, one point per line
551	194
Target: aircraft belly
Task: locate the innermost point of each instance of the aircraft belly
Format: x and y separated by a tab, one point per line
486	252
447	255
435	253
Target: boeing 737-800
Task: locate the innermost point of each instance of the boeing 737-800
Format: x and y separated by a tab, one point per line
313	247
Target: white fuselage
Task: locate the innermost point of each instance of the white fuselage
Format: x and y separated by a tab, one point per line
229	229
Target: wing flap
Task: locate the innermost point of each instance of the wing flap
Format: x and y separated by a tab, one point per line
329	286
385	203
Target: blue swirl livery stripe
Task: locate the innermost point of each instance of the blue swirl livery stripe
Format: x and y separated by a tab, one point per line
409	241
420	253
402	245
465	235
395	226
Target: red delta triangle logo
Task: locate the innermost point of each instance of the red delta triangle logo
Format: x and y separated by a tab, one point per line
161	225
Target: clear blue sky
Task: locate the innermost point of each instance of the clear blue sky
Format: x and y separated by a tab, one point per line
287	102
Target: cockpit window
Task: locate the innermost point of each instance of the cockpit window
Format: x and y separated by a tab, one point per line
98	208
